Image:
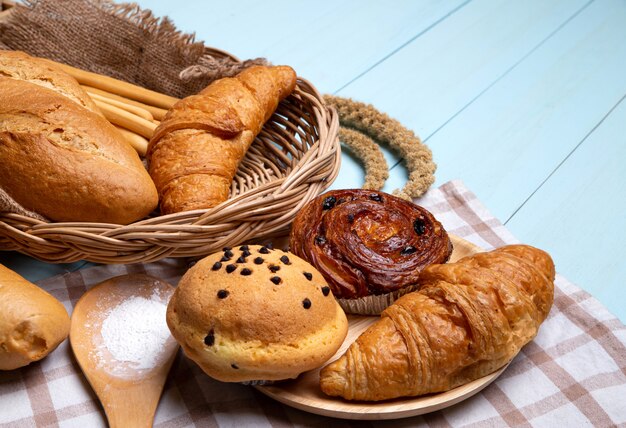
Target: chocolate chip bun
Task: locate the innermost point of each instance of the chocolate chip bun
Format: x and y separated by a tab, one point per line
254	313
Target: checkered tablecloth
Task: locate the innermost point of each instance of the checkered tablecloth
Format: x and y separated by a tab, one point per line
573	373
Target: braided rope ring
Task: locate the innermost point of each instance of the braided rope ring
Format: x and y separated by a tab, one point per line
362	126
369	153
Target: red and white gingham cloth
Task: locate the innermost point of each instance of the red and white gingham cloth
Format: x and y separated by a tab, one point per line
572	374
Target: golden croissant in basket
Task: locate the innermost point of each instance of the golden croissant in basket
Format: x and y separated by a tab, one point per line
195	151
467	320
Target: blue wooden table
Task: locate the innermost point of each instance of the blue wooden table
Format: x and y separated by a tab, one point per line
522	100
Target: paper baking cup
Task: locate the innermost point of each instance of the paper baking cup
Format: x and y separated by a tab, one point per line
375	304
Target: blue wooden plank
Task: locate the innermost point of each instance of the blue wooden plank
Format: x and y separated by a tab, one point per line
579	214
438	74
510	139
34	270
329	43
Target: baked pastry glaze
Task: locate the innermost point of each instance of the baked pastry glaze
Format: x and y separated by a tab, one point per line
467	320
195	151
367	242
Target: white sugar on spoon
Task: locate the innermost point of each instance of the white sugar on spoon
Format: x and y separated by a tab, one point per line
135	332
121	341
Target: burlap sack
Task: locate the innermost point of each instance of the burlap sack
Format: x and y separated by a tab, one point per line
118	40
8	205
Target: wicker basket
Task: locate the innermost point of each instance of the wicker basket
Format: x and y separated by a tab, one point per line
294	158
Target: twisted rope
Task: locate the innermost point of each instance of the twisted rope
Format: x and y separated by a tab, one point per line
365	149
212	68
363	126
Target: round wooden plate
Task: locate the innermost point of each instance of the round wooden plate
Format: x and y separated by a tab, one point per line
305	394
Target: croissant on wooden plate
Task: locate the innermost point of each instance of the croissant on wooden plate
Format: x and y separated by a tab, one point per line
467	320
194	153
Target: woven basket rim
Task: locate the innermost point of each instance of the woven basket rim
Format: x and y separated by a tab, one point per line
259	211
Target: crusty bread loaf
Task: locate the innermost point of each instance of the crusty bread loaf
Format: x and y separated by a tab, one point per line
254	313
21	66
32	322
60	157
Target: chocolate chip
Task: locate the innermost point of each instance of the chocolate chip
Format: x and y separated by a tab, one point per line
209	339
245	253
275	280
227	248
241	259
270	245
285	260
274	268
320	240
258	261
244	248
246	271
235	366
228	253
264	250
329	203
308	275
419	227
376	197
216	266
222	294
224	259
408	250
230	268
306	303
326	290
350	218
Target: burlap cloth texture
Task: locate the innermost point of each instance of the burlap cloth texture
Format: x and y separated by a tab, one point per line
118	40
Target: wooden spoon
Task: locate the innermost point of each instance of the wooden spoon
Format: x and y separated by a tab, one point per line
129	390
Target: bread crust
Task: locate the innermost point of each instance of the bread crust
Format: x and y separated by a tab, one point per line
467	320
195	151
268	323
21	66
32	322
66	162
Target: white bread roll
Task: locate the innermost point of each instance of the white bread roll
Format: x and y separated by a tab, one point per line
32	322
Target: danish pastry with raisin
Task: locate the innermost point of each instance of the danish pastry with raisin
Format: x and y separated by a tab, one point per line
366	242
